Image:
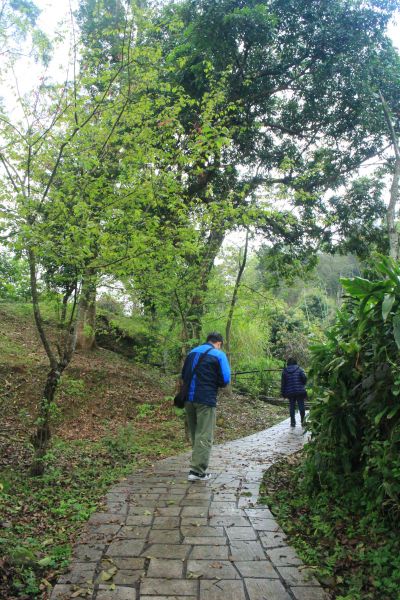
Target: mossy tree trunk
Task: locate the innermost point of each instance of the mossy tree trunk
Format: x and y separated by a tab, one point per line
205	264
58	360
41	438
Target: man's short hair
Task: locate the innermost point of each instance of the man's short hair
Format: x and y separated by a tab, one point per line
214	337
291	361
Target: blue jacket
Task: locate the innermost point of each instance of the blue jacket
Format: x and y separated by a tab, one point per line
293	382
213	373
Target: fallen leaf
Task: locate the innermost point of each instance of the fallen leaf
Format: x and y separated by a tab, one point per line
191	575
109	574
80	592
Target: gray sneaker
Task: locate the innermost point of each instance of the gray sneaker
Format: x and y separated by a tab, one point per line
197	477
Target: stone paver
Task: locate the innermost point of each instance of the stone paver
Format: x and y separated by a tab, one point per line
168	587
257	568
221	590
65	592
207	569
285	556
266	589
163	538
167	568
125	548
117	593
308	593
210	552
272	539
294	576
79	573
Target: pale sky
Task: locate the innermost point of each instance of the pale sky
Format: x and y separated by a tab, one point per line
55	12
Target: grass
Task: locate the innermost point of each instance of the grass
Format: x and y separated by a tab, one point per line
12	351
354	553
41	517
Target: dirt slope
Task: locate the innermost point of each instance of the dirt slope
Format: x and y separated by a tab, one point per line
100	391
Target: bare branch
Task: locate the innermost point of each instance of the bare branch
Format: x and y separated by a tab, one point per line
7	122
9	170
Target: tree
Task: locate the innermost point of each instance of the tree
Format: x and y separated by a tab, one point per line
355	218
297	117
14	278
53	209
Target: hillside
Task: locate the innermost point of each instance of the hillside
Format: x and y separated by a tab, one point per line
112	416
100	392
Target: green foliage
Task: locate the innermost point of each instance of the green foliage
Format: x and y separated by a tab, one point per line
263	382
144	410
355	421
14	278
18	29
74	388
358	218
289	333
351	548
123	446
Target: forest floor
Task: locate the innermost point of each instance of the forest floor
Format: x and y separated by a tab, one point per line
112	416
352	550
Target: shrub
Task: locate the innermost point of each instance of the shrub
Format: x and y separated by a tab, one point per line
355	420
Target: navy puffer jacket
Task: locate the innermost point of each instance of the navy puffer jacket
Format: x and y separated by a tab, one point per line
293	382
213	373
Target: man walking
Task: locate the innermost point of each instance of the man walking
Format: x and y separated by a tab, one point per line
206	369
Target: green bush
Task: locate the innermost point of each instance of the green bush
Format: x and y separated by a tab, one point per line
355	419
262	382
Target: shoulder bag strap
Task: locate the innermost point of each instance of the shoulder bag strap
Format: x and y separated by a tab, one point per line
202	357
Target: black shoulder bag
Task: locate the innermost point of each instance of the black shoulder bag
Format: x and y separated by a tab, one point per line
181	396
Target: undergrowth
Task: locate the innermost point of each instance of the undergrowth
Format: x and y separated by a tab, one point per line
354	552
341	505
41	517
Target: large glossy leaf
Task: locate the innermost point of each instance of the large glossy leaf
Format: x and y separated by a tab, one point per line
372	291
379	416
387	305
390	268
393	412
357	286
396	329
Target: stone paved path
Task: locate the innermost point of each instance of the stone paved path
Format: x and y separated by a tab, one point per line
163	538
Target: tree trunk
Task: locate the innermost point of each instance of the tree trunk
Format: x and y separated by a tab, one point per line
41	438
86	330
196	311
393	231
242	265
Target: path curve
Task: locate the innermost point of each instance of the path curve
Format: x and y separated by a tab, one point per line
163	538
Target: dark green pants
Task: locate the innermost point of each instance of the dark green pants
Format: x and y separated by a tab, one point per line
201	424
